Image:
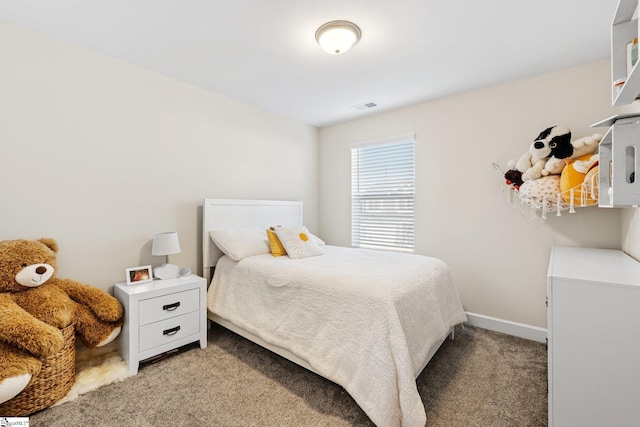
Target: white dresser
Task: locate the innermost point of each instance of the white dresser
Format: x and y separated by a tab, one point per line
594	338
160	316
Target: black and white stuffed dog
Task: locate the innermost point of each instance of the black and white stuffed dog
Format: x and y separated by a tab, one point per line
554	141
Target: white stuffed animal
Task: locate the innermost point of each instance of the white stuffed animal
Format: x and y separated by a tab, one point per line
579	148
532	163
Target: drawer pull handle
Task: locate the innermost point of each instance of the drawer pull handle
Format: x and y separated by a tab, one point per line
171	331
171	307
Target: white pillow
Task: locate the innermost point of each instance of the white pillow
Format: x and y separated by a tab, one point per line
238	244
318	240
298	242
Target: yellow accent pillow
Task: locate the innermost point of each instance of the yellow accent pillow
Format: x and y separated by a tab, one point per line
297	242
573	176
276	246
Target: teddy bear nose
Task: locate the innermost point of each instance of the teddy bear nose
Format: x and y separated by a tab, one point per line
538	144
41	270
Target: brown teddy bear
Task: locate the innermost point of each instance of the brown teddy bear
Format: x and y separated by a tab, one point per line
35	305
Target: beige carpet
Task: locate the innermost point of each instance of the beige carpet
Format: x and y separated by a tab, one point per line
482	378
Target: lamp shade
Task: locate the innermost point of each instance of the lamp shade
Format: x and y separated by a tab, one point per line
165	244
337	37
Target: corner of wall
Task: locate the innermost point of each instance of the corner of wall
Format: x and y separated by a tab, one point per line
630	230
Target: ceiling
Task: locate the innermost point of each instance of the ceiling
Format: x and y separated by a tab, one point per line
263	52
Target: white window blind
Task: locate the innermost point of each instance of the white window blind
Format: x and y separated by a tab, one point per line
382	194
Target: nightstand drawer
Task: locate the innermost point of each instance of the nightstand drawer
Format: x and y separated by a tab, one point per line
168	306
168	330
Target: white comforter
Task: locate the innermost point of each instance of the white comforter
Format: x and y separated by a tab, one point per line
363	319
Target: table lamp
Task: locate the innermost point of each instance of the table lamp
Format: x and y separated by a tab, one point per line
166	244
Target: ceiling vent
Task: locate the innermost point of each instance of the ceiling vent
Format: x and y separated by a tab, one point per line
365	106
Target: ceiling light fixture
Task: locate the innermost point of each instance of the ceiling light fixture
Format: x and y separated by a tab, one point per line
337	37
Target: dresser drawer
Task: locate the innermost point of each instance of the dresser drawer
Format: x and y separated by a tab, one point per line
168	306
169	330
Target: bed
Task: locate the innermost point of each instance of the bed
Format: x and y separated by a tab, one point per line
367	320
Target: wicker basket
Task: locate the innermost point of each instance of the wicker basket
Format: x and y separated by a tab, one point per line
52	383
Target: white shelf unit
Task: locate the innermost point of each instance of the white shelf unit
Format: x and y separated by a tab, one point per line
594	347
618	182
624	28
619	186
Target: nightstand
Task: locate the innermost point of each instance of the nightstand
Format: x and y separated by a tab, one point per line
160	316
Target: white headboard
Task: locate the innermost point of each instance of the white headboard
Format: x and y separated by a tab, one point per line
232	213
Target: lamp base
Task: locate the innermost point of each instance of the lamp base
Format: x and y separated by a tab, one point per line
166	271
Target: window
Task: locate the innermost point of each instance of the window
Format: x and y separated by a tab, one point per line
383	193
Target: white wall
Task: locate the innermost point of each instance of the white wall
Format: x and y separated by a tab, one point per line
101	155
498	257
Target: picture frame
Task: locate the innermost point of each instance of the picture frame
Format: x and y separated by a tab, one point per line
138	275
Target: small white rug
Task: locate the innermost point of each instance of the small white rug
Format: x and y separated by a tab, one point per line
94	369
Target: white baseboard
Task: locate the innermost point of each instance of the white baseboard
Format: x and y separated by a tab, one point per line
528	332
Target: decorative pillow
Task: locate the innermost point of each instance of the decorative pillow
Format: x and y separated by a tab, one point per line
276	246
238	244
535	192
318	240
573	176
298	242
